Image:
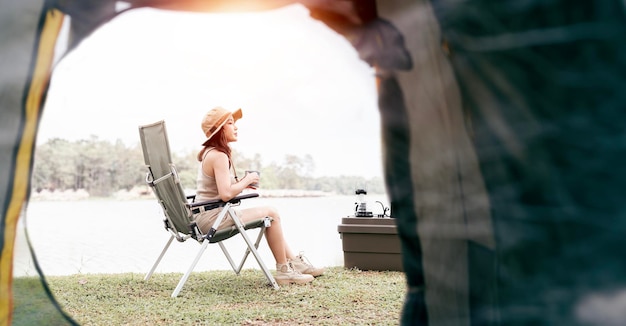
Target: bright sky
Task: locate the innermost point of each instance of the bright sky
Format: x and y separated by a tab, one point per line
301	86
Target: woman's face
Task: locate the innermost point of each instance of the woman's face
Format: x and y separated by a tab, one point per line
230	129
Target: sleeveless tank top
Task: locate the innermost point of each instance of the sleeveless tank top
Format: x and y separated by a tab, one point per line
206	187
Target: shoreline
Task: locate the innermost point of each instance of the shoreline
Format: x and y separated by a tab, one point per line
140	193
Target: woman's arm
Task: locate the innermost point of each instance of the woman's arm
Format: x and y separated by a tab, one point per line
216	164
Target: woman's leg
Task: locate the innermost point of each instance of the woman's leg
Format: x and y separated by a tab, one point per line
289	267
274	234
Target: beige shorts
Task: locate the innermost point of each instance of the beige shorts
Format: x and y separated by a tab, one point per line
205	219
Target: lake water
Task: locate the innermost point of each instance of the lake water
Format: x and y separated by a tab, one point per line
113	236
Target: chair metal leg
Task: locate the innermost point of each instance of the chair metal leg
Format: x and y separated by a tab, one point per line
227	254
182	281
256	255
156	263
247	253
266	271
251	248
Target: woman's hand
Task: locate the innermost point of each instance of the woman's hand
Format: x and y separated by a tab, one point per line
250	179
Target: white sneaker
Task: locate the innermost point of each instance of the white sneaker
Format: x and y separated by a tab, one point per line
302	265
285	274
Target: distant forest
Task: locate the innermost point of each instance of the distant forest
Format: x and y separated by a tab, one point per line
103	168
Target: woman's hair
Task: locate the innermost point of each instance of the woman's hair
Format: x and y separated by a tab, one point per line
219	142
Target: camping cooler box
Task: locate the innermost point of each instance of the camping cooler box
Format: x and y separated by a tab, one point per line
370	243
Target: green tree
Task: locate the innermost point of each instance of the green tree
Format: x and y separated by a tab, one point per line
54	165
129	166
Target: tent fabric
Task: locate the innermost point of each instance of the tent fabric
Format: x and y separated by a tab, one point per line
542	86
433	177
21	109
502	137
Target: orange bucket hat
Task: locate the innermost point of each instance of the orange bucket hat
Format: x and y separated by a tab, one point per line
215	119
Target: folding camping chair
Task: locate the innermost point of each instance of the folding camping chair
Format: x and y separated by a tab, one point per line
179	209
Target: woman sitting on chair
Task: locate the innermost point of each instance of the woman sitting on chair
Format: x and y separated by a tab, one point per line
215	181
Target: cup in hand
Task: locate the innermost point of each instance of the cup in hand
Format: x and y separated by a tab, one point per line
253	185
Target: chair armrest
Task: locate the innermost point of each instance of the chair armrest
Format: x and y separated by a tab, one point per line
245	196
218	202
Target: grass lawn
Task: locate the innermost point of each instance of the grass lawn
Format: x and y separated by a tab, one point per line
339	297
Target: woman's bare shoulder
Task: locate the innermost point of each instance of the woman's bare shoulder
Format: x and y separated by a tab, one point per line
215	155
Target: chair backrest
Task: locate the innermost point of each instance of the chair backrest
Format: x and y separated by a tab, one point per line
163	178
